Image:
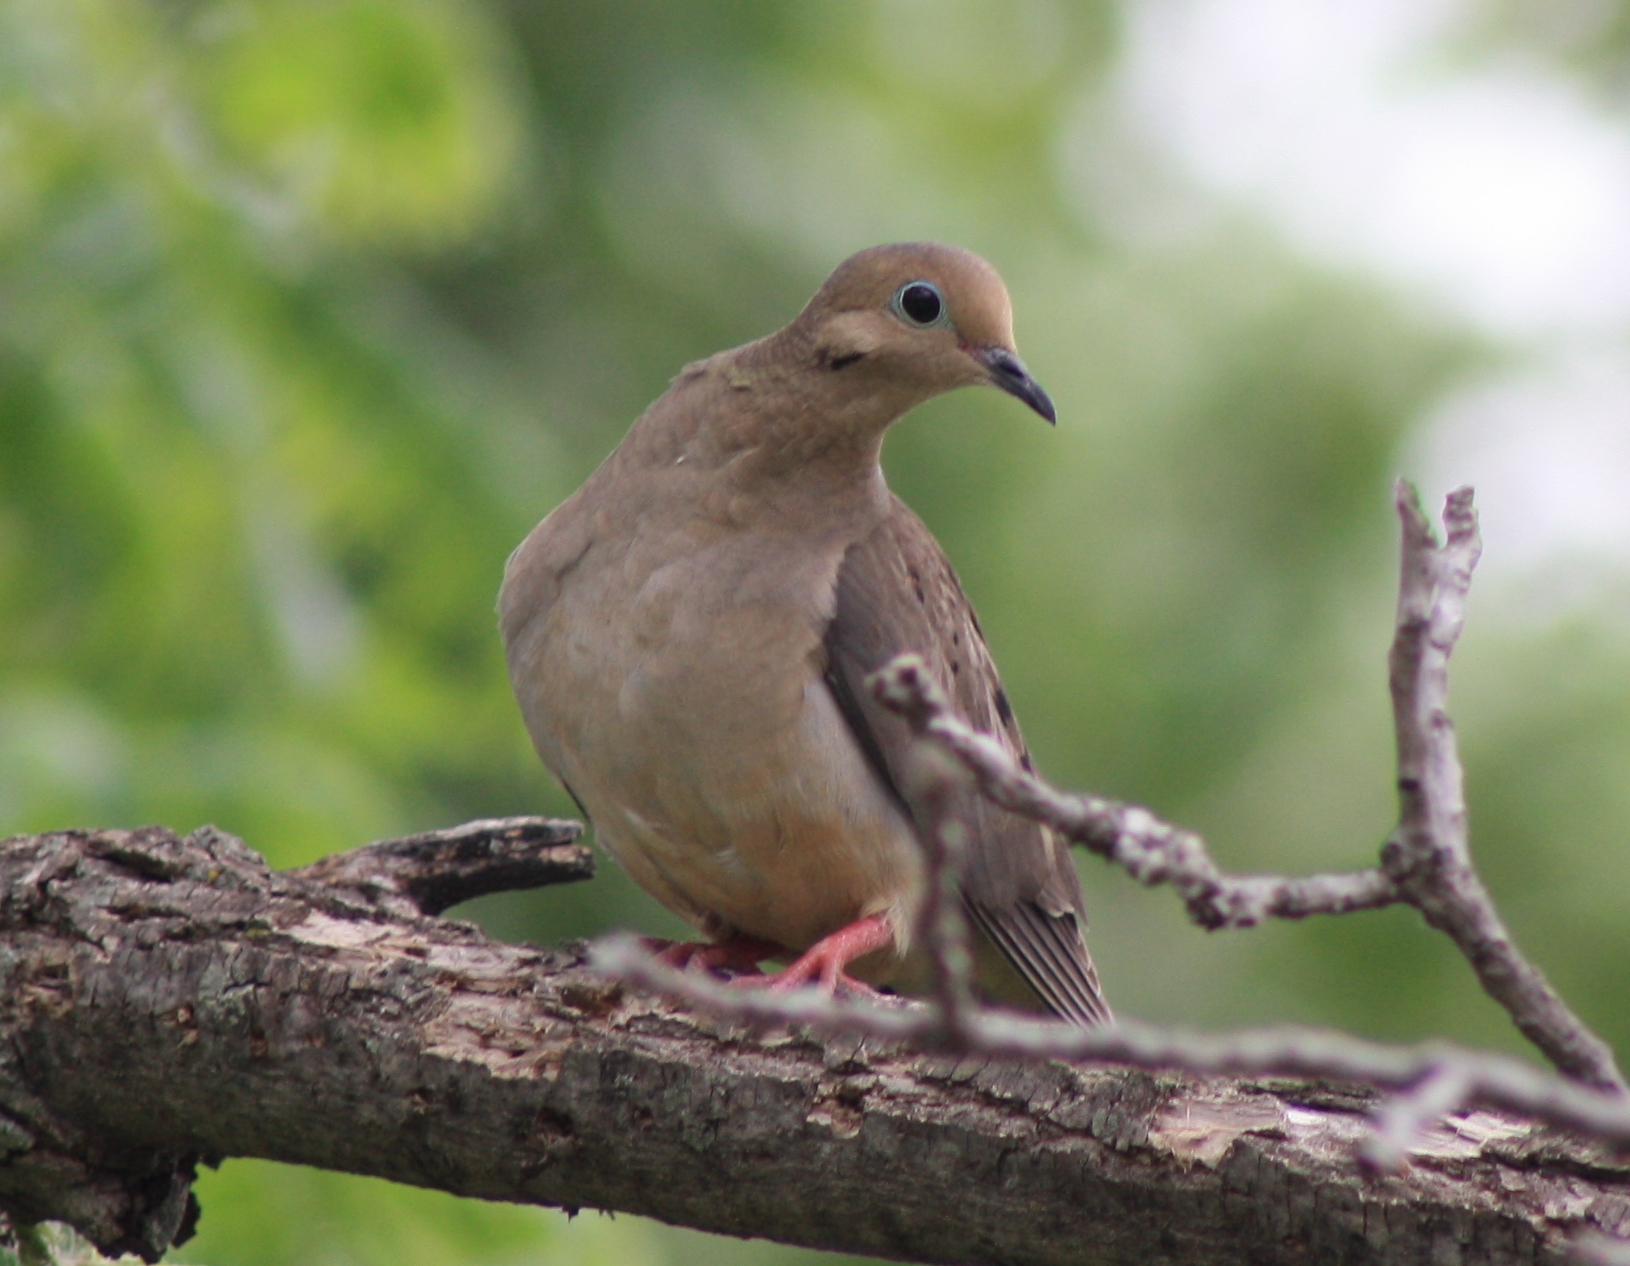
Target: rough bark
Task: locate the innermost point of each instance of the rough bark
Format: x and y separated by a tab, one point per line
168	1001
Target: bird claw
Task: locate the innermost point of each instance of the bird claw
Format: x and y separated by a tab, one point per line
836	984
735	955
823	963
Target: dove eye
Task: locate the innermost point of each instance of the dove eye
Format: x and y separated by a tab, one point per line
920	303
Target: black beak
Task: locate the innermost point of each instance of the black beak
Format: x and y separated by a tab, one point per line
1007	371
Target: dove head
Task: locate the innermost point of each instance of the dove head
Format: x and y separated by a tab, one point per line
905	322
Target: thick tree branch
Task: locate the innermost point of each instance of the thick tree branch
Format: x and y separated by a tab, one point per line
165	1001
428	873
168	1000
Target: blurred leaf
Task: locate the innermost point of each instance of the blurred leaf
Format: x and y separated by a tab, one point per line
381	122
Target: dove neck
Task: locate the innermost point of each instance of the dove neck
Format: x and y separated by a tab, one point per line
796	418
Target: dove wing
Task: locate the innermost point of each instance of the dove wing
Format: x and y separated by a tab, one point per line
896	592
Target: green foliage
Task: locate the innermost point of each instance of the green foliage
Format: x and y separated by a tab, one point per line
310	308
271	1214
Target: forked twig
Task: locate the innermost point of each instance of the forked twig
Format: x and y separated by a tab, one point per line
1425	863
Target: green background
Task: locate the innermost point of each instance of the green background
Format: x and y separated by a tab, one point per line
309	310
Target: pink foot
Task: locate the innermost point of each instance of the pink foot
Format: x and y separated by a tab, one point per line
823	963
736	953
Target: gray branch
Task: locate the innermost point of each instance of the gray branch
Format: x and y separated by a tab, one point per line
1426	862
168	1001
1429	855
1434	1080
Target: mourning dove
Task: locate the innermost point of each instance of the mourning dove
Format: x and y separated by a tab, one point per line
689	633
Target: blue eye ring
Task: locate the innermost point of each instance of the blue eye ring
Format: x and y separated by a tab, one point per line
921	305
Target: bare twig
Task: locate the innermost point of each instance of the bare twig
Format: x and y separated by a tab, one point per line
1150	850
1601	1250
1426	862
427	873
942	922
1429	856
1420	1073
1445	1088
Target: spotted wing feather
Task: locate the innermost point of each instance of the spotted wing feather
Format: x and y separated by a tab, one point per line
896	592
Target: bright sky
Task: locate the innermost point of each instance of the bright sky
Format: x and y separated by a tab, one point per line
1502	193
